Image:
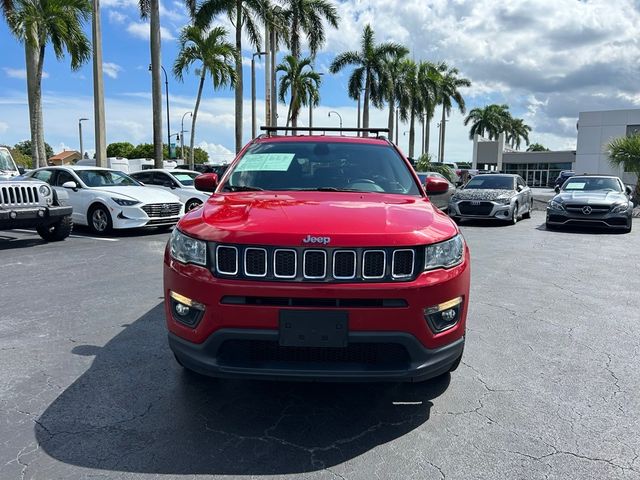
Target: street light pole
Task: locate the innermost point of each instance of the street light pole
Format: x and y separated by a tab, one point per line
253	92
358	111
339	116
166	87
182	137
80	120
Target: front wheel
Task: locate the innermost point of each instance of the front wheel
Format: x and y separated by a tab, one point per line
100	220
57	231
514	216
529	210
192	204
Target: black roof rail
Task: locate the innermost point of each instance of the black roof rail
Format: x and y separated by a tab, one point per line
272	130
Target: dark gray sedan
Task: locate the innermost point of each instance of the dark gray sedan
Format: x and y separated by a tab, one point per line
493	196
591	201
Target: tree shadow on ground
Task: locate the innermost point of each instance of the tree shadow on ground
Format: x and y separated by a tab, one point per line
135	410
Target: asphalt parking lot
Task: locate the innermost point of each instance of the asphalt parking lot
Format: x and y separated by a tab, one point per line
548	388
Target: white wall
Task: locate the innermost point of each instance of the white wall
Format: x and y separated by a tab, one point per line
595	131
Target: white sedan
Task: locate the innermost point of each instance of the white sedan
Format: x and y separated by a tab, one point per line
104	199
178	182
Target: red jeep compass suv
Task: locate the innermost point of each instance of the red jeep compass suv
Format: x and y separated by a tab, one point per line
318	258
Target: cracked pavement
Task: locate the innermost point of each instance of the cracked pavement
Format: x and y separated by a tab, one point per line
547	388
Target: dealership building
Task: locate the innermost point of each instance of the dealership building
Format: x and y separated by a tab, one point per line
539	169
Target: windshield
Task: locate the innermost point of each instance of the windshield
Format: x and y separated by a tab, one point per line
105	178
323	166
490	182
584	184
186	178
6	162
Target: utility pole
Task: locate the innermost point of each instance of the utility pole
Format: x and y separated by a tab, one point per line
98	89
80	132
358	111
267	75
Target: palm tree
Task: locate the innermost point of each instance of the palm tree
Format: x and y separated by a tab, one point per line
394	88
537	147
36	23
449	90
369	71
414	103
151	9
301	82
488	120
307	16
242	14
429	81
214	54
517	131
625	152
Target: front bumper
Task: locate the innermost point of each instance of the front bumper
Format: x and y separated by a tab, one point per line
135	217
394	328
494	210
255	354
32	216
616	221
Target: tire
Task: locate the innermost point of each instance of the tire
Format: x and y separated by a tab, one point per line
57	231
99	220
192	204
528	214
514	217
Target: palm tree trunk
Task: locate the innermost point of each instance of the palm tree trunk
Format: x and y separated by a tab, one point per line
295	109
365	110
412	133
427	129
392	115
156	81
42	152
443	127
31	61
193	118
239	85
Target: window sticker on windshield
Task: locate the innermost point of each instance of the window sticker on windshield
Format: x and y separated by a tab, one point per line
271	162
575	186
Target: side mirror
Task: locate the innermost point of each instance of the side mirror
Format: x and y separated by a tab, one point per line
71	185
519	188
557	189
436	186
207	182
628	190
21	170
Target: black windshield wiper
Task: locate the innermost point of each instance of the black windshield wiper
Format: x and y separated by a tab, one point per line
330	189
241	188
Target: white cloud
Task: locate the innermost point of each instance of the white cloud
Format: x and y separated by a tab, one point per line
111	69
217	153
3	127
141	30
20	73
117	17
246	61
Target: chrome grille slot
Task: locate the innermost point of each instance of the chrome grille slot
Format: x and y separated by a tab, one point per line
403	263
344	264
227	260
162	209
255	262
285	263
374	264
315	264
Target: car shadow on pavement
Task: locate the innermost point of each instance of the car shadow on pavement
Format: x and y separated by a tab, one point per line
136	410
581	230
10	242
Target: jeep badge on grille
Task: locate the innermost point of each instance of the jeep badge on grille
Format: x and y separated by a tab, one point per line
321	240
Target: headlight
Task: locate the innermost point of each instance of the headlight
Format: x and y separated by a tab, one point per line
620	208
444	254
125	203
503	200
44	190
553	205
186	249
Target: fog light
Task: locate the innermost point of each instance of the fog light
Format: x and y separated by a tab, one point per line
185	310
445	315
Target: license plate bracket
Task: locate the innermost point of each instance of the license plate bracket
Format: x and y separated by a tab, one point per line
313	328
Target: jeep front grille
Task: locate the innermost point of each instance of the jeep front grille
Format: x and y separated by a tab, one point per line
316	264
19	195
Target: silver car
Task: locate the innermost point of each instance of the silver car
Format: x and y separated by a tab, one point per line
493	196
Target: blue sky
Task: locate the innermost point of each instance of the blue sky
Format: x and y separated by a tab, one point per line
547	59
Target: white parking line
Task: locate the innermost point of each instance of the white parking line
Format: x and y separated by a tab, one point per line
74	236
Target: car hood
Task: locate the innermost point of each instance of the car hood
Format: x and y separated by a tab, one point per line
142	194
483	194
601	197
347	219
